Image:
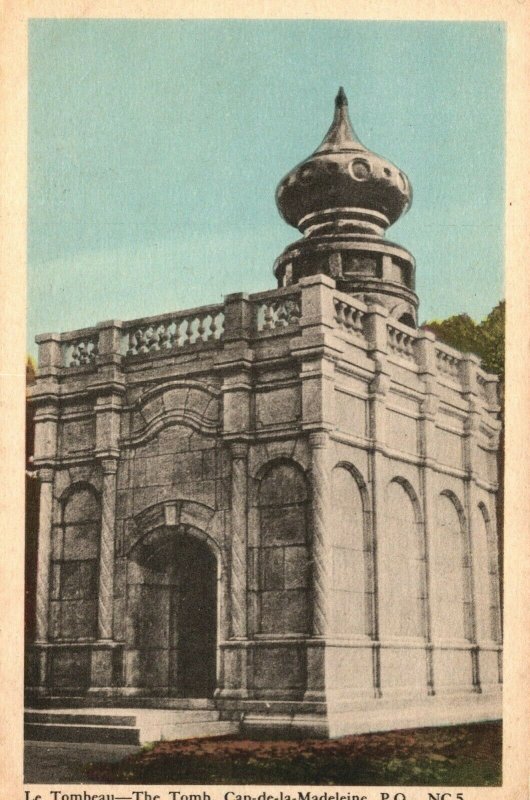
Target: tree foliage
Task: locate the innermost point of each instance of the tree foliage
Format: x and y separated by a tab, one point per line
485	339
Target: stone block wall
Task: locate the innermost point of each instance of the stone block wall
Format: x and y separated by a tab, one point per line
326	475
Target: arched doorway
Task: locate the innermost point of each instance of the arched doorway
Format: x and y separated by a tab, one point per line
172	613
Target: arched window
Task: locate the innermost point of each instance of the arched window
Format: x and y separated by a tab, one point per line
407	319
401	565
75	554
450	578
283	564
486	574
350	594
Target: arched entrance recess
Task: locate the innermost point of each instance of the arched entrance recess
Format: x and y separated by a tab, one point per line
172	612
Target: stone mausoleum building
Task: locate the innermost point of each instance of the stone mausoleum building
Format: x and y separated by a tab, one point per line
280	508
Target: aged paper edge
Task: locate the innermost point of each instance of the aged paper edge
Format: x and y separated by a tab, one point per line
13	207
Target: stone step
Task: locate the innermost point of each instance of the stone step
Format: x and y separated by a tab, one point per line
192	730
61	718
122	701
118	716
259	706
112	725
104	734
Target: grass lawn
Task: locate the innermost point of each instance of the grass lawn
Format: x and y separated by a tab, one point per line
462	755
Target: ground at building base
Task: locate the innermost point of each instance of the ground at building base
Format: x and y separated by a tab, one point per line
461	755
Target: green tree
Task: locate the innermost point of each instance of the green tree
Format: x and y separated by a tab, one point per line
485	339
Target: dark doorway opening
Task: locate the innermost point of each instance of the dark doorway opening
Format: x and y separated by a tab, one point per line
172	602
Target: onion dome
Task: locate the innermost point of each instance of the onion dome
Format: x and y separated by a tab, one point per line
343	198
343	173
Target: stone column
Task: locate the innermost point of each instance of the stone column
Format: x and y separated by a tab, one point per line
320	557
106	551
238	579
43	553
321	506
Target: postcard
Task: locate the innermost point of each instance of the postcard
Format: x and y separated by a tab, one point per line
263	373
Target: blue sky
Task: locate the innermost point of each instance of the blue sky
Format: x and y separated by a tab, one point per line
155	148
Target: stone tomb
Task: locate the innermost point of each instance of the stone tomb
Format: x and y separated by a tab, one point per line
285	502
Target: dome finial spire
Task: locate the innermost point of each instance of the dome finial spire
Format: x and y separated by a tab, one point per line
341	135
341	99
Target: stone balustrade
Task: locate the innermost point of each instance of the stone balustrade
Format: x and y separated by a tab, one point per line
260	315
81	351
400	339
349	315
273	312
447	361
159	334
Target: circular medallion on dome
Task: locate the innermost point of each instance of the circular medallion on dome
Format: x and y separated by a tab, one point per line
360	169
306	173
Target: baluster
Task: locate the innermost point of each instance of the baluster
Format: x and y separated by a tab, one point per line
339	313
151	338
282	314
201	329
183	334
268	318
214	328
83	353
74	356
132	344
348	319
194	335
140	341
173	332
294	311
164	337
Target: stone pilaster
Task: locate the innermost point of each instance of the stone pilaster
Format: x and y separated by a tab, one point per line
43	553
238	580
321	561
376	331
106	552
468	376
426	359
321	506
108	411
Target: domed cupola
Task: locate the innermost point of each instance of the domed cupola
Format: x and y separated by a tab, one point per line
343	198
